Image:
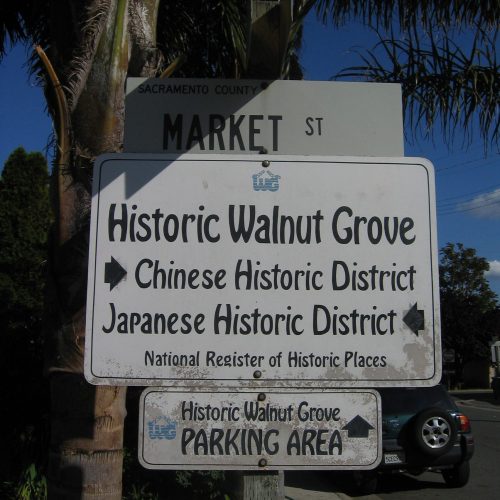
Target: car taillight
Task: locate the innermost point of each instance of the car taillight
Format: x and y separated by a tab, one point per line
463	423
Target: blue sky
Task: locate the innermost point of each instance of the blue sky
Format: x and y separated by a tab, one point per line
467	179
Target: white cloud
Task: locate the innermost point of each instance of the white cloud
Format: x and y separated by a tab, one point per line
494	271
485	205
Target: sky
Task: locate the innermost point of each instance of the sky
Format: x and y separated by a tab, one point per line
467	178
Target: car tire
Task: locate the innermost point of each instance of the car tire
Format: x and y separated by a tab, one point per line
435	431
458	476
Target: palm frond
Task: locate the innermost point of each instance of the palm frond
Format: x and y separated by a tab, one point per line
440	81
11	24
426	13
91	25
211	35
291	66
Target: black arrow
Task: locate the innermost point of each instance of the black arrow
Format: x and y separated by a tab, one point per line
113	273
414	319
358	427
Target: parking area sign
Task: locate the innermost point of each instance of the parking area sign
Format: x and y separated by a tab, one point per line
257	431
263	271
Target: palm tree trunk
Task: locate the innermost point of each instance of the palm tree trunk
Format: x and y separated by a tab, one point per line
86	454
87	422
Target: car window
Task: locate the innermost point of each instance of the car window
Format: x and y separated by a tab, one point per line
413	400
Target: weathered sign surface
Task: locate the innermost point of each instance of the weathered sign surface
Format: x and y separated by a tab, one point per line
249	116
263	271
263	431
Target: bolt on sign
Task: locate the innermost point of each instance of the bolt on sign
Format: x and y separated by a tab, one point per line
259	431
263	271
251	116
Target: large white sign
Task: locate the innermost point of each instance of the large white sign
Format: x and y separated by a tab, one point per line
263	271
260	431
249	116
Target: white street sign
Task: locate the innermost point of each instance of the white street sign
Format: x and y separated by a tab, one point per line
263	272
249	116
259	431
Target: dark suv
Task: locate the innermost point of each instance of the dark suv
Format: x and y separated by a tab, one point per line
422	429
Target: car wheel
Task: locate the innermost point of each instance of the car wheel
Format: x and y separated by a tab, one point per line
458	476
435	431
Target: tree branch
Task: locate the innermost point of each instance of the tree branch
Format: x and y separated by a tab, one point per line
65	206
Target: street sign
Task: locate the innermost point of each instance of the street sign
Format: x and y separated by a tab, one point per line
259	431
263	271
248	116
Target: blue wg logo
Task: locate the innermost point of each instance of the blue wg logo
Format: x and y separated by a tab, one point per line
265	180
162	428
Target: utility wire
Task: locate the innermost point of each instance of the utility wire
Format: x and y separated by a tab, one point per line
460	164
445	170
472	150
460	210
479	191
468	197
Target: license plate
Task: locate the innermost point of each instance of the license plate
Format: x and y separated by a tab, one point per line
394	458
